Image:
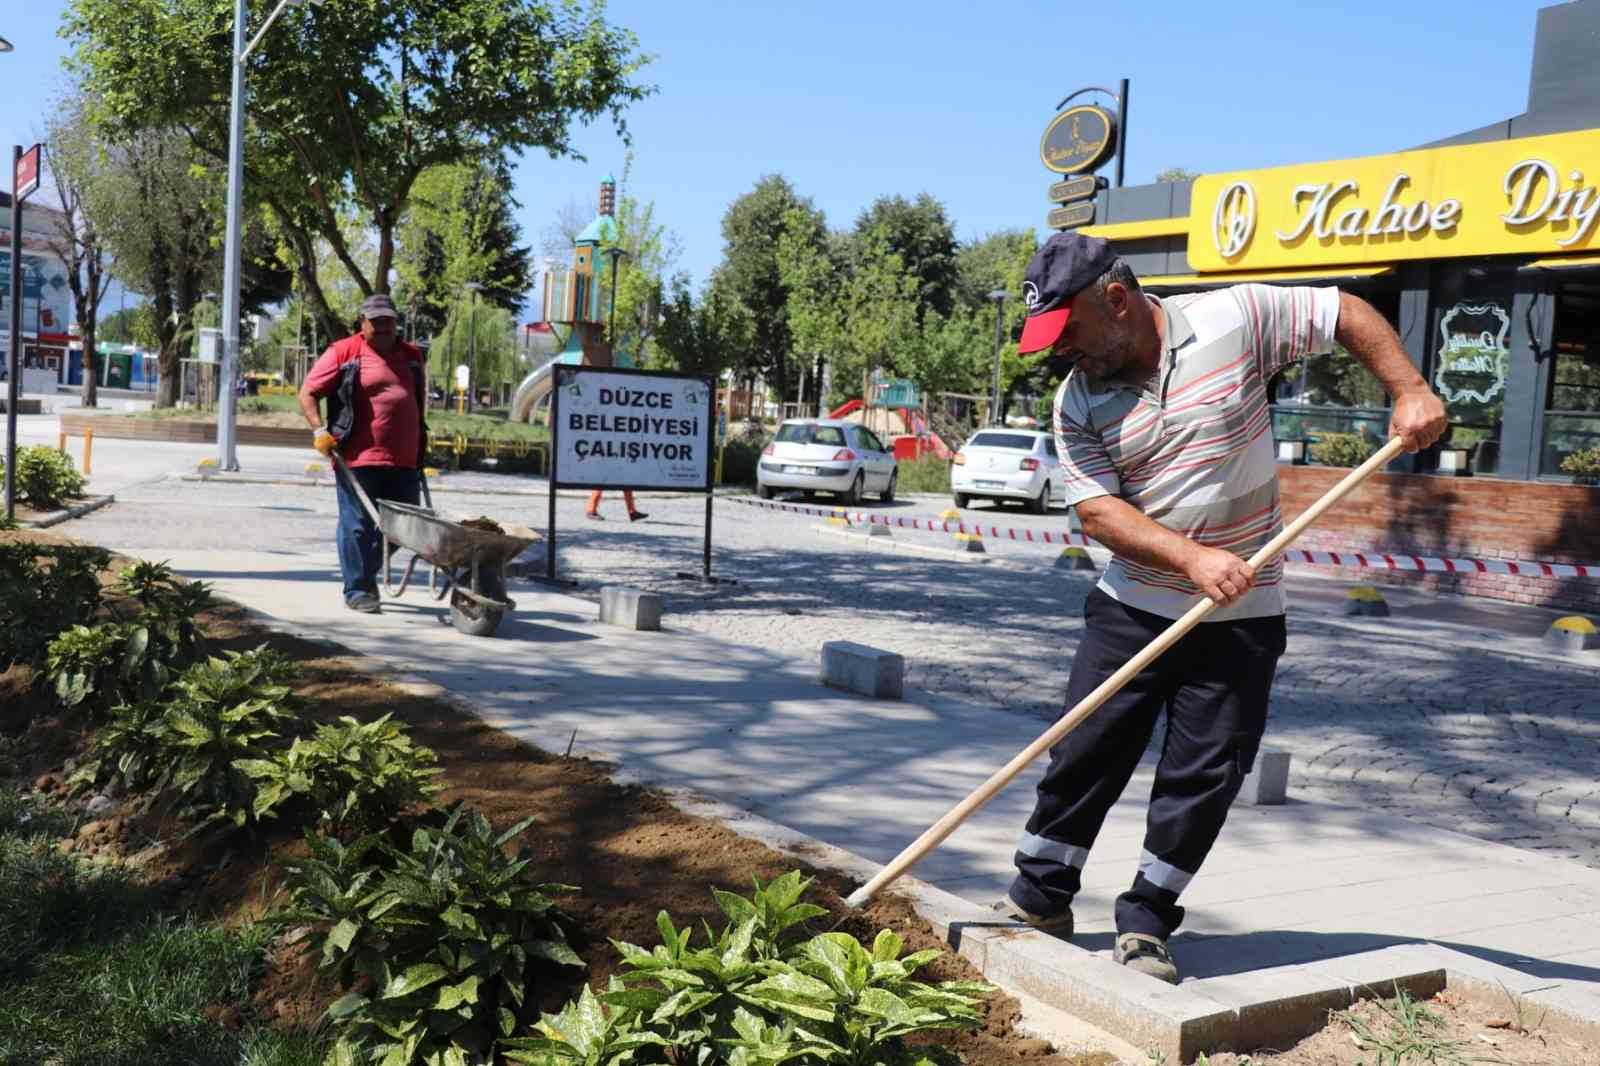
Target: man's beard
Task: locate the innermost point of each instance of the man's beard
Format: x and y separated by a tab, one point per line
1114	358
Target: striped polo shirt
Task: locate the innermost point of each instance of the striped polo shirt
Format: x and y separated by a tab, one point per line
1192	447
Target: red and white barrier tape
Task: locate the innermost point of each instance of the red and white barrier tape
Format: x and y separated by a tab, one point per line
1362	560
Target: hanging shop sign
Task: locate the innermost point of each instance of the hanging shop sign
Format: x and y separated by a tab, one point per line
1078	139
1472	353
1082	187
1071	217
1526	196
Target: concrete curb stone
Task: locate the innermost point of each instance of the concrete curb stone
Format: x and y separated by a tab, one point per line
55	518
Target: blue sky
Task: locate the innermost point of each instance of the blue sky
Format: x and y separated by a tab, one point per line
852	101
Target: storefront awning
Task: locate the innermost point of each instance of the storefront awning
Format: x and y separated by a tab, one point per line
1326	274
1564	262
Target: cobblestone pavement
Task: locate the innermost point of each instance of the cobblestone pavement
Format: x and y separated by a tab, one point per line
1463	728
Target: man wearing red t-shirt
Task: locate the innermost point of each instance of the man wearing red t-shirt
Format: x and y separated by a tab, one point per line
375	386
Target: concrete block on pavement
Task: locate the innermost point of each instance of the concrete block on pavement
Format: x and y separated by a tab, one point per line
1366	601
1281	1004
1412	968
866	670
876	530
1074	559
630	608
1268	784
969	542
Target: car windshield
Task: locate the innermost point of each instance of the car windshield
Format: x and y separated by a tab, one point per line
1020	441
806	433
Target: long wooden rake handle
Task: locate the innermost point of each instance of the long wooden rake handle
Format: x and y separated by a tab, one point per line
941	829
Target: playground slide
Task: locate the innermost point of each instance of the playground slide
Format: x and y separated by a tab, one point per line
915	440
534	387
846	409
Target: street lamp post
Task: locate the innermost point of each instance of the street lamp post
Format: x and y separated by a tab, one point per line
999	298
227	434
472	342
615	254
5	45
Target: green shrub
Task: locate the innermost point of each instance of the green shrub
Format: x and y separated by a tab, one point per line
445	929
354	775
132	745
740	456
46	477
86	661
1583	465
164	636
45	589
755	994
926	474
226	711
1342	449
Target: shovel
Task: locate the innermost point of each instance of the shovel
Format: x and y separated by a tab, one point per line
936	833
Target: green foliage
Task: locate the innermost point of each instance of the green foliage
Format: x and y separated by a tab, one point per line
757	994
354	775
46	477
226	711
1583	465
132	743
752	277
445	930
164	636
1342	449
85	661
44	589
741	456
927	474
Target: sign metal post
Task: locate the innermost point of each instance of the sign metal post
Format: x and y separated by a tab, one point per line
24	179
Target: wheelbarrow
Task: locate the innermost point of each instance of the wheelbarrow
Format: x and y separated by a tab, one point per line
468	564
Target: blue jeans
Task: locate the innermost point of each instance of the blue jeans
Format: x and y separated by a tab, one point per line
359	542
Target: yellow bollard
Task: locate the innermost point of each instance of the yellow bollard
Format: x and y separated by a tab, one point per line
61	444
88	449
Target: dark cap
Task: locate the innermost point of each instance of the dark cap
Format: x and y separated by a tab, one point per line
378	305
1066	265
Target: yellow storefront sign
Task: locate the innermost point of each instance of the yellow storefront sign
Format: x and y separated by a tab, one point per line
1533	195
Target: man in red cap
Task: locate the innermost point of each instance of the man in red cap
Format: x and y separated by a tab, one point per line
376	390
1166	448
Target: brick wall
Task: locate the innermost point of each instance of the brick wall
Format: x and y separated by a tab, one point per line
1473	517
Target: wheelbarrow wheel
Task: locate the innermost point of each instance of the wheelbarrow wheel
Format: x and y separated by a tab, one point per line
471	617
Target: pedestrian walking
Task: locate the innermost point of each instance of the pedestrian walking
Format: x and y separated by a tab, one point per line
593	510
375	387
1166	447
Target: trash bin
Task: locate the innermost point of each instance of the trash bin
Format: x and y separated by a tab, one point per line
119	371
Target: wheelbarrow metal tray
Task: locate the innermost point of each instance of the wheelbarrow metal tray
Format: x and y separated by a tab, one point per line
446	543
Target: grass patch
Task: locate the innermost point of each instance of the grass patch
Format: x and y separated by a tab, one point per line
1404	1031
926	474
91	971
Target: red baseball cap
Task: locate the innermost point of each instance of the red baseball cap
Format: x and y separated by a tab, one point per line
1066	265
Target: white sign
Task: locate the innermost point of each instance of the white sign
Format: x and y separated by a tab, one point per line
631	430
1472	353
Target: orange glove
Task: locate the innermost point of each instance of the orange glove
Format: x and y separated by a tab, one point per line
324	442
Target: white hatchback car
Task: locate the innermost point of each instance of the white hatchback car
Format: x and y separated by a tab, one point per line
1008	464
826	455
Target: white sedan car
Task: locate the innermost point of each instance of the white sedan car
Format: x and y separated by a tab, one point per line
1008	464
826	455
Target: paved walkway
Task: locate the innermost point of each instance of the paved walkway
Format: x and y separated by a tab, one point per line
748	725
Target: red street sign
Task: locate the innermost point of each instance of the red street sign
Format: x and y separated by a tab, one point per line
26	178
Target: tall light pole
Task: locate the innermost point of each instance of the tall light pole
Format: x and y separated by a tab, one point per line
615	254
5	45
227	433
472	342
999	298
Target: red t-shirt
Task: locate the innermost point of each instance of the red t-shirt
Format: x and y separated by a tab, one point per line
388	423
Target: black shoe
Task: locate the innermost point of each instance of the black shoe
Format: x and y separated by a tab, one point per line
1146	954
1054	924
365	602
594	516
634	516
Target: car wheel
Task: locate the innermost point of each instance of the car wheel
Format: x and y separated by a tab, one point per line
1040	503
961	500
764	491
888	493
853	496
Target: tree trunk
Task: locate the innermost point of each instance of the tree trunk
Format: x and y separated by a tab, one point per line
86	324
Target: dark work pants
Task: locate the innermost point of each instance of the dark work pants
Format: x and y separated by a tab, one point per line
1213	685
359	542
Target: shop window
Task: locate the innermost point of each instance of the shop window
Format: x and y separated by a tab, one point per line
1471	356
1572	406
1333	393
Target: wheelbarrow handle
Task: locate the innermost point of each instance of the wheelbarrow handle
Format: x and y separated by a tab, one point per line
350	479
427	497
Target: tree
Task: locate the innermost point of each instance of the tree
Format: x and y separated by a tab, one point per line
1176	174
351	102
134	325
921	235
651	250
561	233
809	267
74	165
461	227
702	336
749	272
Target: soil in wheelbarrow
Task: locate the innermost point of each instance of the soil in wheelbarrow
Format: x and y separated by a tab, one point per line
631	851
